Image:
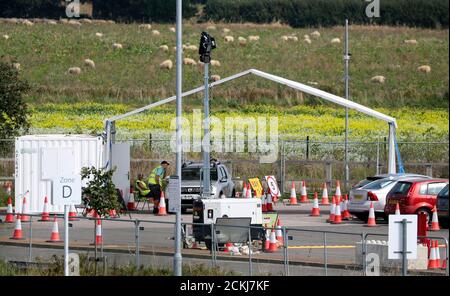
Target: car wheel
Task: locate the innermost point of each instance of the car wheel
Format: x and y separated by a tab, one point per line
362	216
426	211
233	194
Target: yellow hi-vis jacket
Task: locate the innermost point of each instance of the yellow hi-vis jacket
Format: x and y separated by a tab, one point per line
158	171
144	191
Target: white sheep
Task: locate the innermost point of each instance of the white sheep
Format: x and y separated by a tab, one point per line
306	36
229	38
51	22
335	40
411	41
211	27
156	32
117	46
6	37
315	34
164	48
86	21
16	66
191	47
215	77
189	61
424	69
253	38
242	41
89	63
307	40
167	64
110	22
98	34
174	48
27	23
293	38
215	63
226	30
284	38
74	70
63	21
75	23
145	26
378	79
172	29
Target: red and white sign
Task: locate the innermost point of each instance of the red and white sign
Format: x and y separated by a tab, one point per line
273	186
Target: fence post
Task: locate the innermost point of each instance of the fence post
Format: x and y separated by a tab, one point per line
325	254
136	239
31	239
429	168
307	147
363	251
378	158
213	246
250	267
329	173
285	251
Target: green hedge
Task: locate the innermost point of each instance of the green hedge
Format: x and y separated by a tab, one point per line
313	13
141	10
31	9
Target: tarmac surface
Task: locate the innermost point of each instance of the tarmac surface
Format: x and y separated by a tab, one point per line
306	252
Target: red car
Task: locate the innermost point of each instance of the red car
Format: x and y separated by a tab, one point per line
414	196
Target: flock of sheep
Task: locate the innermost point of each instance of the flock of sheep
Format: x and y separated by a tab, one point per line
168	64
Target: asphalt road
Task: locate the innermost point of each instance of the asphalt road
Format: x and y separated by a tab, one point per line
305	244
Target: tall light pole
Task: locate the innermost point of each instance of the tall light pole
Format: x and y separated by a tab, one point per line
177	259
346	79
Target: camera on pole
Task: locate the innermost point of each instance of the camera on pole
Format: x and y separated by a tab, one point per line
207	43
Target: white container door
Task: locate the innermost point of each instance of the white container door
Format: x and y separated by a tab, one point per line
121	162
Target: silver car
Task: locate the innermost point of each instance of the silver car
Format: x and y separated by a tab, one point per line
375	191
222	185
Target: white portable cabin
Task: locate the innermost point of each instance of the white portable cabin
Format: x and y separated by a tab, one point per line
39	158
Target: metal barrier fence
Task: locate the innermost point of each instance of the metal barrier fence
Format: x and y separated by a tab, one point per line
289	259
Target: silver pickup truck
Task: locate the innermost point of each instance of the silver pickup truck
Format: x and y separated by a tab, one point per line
191	188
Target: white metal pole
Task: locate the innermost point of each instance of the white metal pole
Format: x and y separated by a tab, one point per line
346	78
206	139
391	150
66	240
177	259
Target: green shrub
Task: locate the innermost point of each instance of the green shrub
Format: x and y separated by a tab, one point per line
32	9
314	13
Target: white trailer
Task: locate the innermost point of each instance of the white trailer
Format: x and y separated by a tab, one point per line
41	157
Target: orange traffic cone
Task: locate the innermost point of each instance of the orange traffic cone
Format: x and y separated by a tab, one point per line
279	232
273	242
131	205
346	214
45	217
269	202
248	193
54	237
17	234
162	205
325	200
337	215
264	203
267	241
24	217
293	199
338	190
434	221
438	255
371	221
315	209
98	232
397	209
72	213
244	190
332	209
9	212
432	260
304	196
227	247
112	213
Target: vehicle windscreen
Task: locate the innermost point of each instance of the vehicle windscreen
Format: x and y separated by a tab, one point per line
365	182
443	193
401	188
379	184
193	174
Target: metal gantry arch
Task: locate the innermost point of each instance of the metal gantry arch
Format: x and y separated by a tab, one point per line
392	147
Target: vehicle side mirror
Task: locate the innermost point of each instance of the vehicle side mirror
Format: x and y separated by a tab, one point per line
223	180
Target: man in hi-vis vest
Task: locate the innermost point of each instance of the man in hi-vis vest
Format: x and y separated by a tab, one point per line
155	182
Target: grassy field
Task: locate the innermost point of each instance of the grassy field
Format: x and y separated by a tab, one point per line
131	77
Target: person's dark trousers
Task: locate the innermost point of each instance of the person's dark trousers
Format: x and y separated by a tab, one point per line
155	192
